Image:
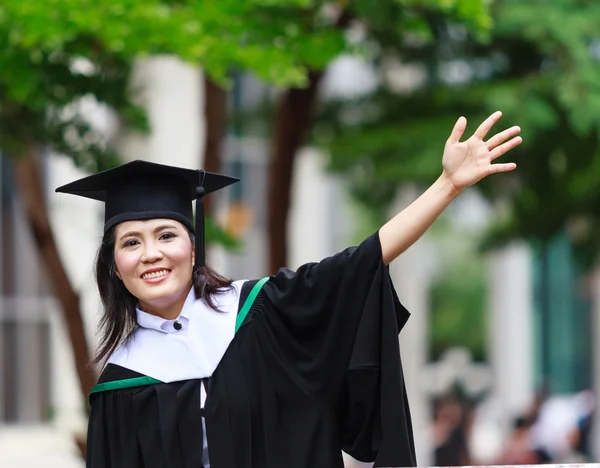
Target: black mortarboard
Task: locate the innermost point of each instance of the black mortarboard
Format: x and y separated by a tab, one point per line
144	190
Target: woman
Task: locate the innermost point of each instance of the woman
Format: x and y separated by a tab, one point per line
282	372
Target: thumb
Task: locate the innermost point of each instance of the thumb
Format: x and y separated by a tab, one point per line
459	129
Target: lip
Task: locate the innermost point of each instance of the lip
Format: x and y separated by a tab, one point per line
158	279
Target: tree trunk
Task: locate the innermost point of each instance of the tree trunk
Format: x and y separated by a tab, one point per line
215	111
30	189
292	122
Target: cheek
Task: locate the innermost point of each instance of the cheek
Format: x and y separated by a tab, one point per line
126	263
181	255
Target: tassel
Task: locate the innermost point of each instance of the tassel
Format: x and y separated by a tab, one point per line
200	221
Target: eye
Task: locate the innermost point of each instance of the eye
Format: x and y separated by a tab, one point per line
130	243
167	236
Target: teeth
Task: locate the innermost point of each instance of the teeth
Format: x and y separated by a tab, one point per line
156	274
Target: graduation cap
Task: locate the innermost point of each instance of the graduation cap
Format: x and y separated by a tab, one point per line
143	190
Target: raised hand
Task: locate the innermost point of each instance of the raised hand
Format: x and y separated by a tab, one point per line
465	163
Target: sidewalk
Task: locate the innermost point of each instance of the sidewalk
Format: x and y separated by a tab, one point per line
37	447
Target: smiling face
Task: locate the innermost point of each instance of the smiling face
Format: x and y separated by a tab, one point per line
154	258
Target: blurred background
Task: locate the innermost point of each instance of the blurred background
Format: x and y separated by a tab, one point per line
334	115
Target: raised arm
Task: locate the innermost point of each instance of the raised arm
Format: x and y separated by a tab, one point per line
463	164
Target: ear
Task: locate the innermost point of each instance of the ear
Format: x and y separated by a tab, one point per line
118	275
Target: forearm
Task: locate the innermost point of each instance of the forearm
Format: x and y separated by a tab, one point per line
410	224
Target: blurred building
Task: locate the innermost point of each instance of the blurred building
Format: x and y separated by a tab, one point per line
36	372
563	318
24	319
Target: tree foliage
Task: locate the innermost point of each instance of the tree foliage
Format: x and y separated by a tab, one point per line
274	38
61	50
458	310
540	65
57	52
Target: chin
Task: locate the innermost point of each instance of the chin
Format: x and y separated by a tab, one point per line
158	293
161	293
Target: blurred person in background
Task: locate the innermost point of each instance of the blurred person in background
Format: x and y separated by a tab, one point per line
561	432
586	404
286	371
449	433
518	447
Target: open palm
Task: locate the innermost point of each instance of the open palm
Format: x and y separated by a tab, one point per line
467	162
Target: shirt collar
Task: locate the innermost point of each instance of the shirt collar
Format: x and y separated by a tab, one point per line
154	322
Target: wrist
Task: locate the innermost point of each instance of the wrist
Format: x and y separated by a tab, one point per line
447	186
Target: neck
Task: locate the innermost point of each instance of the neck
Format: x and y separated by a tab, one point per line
167	308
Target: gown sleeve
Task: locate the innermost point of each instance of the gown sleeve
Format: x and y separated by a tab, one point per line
338	322
318	308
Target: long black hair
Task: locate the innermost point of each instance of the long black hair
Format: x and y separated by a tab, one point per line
118	320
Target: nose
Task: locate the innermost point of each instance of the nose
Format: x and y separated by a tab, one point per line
151	253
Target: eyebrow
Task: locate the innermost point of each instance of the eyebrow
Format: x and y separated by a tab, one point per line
162	227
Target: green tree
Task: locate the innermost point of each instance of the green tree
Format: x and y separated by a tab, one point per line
385	24
540	65
53	55
291	116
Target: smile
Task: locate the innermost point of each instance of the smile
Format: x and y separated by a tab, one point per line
155	275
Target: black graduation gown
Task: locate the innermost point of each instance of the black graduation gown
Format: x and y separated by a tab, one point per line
314	369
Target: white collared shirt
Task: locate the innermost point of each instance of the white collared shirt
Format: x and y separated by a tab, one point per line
154	322
160	351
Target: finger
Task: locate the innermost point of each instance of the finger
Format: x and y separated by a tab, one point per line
459	129
505	147
502	136
487	125
504	167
